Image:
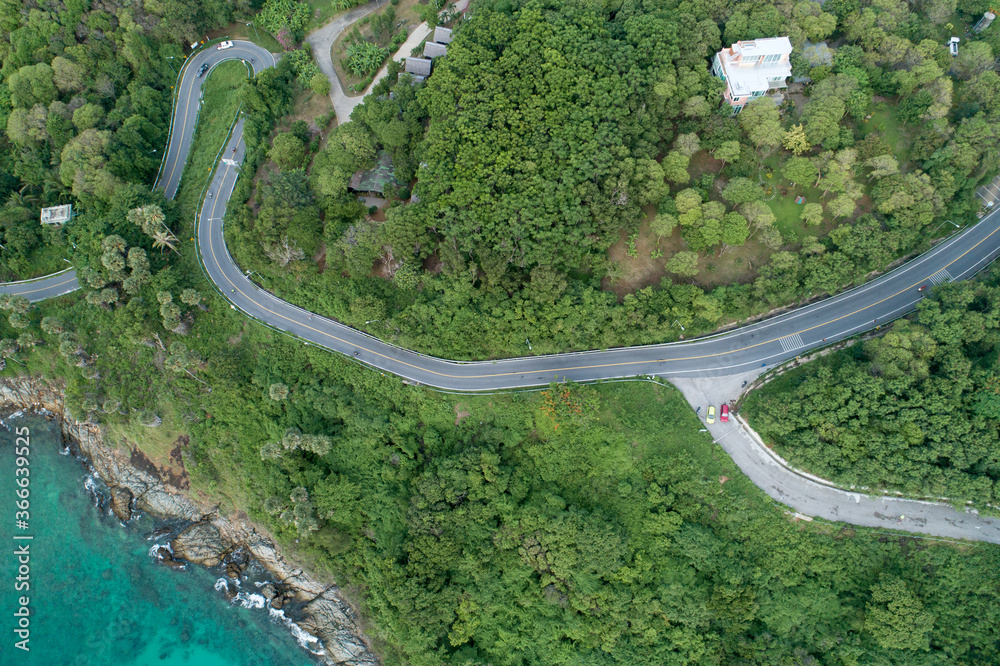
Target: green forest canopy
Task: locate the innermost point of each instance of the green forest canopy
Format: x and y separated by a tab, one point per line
579	524
576	524
550	129
915	410
85	97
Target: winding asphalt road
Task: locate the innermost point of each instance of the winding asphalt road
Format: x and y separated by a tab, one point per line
41	288
752	347
182	127
189	95
744	352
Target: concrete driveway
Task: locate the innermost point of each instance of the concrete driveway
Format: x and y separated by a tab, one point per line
322	41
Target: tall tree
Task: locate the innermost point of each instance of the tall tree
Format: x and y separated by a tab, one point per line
761	122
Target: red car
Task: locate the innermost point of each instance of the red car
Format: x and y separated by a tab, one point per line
725	413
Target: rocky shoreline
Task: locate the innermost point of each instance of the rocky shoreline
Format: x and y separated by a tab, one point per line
211	539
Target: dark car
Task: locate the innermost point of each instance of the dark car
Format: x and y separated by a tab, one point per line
202	70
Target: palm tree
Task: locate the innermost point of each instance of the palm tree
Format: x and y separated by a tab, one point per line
163	238
148	218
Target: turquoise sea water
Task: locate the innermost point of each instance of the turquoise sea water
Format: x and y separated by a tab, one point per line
96	596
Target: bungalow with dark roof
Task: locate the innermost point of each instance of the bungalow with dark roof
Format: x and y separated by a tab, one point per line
442	35
420	68
434	50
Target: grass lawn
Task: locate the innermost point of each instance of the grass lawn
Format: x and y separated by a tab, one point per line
787	212
310	107
735	265
218	111
637	423
155	443
885	122
323	11
251	33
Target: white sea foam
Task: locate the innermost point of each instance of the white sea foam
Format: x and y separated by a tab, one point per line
305	639
221	584
249	600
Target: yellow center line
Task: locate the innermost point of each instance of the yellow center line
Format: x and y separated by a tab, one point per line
559	369
52	286
187	105
236	287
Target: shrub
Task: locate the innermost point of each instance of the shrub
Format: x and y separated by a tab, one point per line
320	84
364	57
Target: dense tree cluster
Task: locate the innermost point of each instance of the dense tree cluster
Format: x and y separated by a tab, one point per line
916	409
551	130
579	524
84	105
573	524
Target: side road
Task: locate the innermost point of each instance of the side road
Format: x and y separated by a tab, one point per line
810	497
707	370
322	41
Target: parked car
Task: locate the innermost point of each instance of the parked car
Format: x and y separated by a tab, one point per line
225	45
725	414
711	414
202	70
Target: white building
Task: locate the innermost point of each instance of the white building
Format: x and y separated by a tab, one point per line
57	214
752	68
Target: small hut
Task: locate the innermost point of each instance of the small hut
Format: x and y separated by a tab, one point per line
418	67
434	50
374	180
442	35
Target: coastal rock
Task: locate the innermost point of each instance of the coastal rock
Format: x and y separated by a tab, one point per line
333	621
328	616
305	586
121	503
167	558
200	543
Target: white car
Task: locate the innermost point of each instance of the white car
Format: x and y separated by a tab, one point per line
225	45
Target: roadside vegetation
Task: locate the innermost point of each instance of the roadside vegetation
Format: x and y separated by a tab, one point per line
84	105
576	524
915	410
360	52
216	116
525	228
